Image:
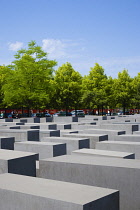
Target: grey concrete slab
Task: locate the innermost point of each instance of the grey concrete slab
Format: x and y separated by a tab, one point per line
128	128
111	133
29	193
71	143
44	126
123	146
67	131
16	162
47	119
136	133
26	127
114	173
131	138
49	133
63	126
81	126
44	149
93	137
103	153
65	119
21	135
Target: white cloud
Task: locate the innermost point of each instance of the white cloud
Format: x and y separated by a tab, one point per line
15	46
63	49
55	48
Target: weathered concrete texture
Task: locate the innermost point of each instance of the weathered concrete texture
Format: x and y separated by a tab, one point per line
131	138
21	135
29	193
63	126
123	146
65	119
45	149
128	128
44	126
103	153
136	133
81	126
46	119
71	143
111	133
49	133
7	143
67	131
93	137
16	162
29	127
114	173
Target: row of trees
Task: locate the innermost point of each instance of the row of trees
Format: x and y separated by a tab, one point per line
32	82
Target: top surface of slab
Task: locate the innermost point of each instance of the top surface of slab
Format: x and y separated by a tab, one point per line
64	138
100	161
103	152
17	130
53	189
120	142
38	143
11	154
84	134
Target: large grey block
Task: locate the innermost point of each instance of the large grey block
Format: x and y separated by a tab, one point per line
131	138
63	126
114	173
18	162
71	143
123	146
21	135
48	133
111	133
44	149
67	131
93	137
44	126
46	119
65	119
128	128
103	153
29	193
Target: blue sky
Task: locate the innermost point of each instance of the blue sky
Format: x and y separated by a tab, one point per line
81	32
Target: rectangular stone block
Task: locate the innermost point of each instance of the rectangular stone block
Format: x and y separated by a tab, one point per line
67	131
103	153
65	119
131	138
111	133
47	119
114	173
71	143
128	128
30	193
44	149
49	133
18	162
63	126
21	135
93	137
124	146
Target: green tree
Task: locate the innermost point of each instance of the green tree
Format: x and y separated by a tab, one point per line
136	92
30	82
123	91
94	86
68	84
